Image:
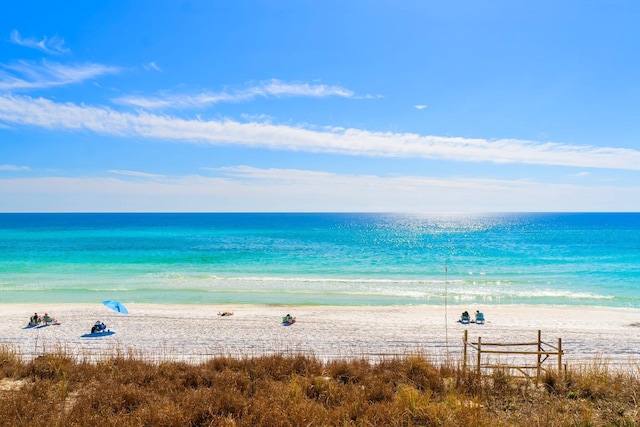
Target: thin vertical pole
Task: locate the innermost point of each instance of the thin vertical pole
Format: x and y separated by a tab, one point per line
464	349
479	352
446	327
559	356
538	367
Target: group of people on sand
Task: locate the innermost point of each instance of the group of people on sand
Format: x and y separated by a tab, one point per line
45	320
465	318
286	320
99	326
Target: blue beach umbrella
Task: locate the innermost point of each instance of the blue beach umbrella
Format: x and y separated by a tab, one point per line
116	306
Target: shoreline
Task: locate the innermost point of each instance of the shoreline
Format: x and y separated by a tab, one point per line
194	333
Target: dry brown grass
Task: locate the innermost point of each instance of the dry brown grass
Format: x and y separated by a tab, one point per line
276	390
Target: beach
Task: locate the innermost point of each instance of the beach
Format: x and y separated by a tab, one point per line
194	333
360	285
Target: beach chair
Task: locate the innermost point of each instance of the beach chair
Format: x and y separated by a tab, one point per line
464	319
479	318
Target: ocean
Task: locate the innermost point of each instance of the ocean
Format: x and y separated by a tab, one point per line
348	259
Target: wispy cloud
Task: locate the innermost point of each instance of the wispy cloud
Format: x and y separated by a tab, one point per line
152	66
420	107
581	174
279	88
29	75
52	46
135	173
271	88
14	168
246	188
41	112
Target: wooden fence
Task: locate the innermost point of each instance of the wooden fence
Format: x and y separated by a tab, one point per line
541	351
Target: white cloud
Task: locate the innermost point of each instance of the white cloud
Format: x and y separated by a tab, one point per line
152	66
52	46
262	118
581	174
28	75
24	110
279	88
275	88
135	173
174	101
246	188
420	107
14	168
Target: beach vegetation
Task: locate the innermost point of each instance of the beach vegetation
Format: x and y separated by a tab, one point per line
126	389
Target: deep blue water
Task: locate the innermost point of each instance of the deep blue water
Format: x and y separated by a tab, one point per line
345	259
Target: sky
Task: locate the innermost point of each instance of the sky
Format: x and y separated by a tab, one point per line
320	106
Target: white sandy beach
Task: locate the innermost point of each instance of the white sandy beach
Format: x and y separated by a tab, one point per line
193	333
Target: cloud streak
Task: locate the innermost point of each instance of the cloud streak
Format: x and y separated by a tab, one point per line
14	168
250	189
152	66
40	112
135	174
29	75
51	46
271	88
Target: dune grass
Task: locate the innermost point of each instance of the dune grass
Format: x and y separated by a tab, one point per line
57	389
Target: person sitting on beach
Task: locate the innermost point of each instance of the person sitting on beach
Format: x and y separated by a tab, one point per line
47	320
479	317
34	320
98	327
289	319
464	318
225	313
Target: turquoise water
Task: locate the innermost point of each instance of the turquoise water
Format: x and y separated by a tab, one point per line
322	259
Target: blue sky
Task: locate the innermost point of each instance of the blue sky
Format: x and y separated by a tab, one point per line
410	106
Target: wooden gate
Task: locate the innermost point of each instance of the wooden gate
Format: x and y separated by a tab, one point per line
540	350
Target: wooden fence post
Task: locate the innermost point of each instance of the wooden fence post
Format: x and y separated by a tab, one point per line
464	349
559	356
479	353
538	366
